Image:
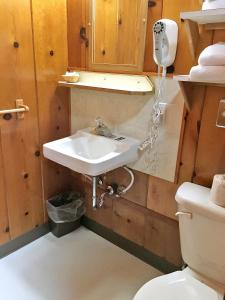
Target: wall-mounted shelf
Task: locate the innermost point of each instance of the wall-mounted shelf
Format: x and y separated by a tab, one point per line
186	78
211	19
186	85
114	83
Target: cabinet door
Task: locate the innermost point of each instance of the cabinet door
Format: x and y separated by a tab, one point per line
117	30
20	178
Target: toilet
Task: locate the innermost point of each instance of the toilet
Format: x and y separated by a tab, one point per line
202	235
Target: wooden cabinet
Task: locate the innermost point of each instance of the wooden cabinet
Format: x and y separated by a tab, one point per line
116	33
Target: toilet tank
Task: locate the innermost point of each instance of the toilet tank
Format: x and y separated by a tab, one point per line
202	231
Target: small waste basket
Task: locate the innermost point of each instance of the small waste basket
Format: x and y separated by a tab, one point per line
64	211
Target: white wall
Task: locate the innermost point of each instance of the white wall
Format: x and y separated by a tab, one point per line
130	115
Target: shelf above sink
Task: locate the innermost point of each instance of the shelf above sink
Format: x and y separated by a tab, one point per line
186	85
114	83
204	17
186	78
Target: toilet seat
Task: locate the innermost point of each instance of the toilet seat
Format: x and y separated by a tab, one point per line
178	285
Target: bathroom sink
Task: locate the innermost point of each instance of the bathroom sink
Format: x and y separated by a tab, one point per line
91	154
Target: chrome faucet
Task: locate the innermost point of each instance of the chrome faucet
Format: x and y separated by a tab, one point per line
101	128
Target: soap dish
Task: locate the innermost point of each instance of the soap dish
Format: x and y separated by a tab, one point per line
71	77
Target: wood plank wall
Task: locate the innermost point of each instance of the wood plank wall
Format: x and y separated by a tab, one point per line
146	214
21	185
33	55
51	60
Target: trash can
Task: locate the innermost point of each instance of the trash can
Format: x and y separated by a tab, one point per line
65	211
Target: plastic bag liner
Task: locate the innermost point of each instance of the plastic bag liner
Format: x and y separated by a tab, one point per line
66	207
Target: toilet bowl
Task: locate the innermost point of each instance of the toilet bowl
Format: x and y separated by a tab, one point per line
177	286
202	234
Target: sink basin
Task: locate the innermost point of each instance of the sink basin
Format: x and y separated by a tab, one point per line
91	154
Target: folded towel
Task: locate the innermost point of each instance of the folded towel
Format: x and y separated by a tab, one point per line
213	4
217	193
208	74
213	55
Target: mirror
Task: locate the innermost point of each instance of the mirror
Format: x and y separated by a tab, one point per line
116	32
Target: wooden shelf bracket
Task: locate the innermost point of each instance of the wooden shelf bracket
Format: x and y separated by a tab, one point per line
194	36
213	19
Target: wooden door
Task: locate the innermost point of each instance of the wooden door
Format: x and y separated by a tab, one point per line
21	205
117	30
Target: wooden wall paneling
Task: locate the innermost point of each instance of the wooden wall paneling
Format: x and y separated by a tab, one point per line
4	220
51	59
129	220
18	169
211	148
138	192
76	16
219	36
104	215
162	237
19	138
191	136
161	197
78	182
154	14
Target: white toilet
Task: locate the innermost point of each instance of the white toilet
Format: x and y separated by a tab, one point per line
202	234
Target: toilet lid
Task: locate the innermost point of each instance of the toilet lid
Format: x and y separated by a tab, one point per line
177	285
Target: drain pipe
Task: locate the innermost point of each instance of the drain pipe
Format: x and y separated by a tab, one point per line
111	189
95	180
94	192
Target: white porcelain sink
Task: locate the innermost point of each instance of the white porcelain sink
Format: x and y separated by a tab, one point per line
91	154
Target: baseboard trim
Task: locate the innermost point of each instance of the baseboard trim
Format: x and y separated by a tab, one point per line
134	249
23	240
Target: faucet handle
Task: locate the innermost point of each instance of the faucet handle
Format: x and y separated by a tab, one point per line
99	122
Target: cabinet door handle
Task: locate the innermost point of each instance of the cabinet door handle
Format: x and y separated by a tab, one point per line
151	3
83	36
184	213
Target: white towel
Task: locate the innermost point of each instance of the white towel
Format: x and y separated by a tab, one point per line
217	193
208	74
213	4
213	55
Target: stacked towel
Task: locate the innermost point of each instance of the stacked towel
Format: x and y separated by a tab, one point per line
213	4
208	74
217	193
213	55
211	65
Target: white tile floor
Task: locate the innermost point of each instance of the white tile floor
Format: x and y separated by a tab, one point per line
78	266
